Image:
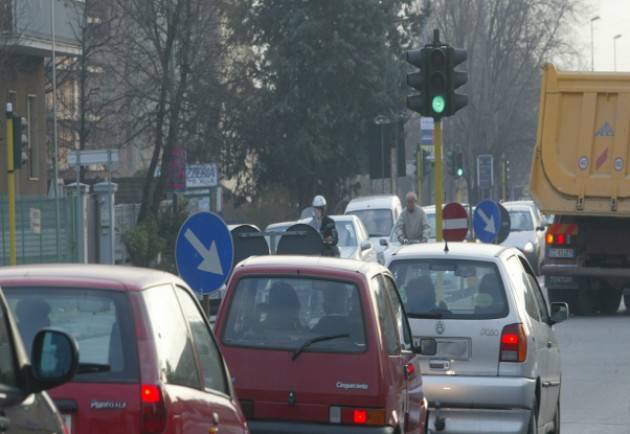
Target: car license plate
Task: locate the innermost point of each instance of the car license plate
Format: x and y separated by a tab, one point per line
561	253
67	422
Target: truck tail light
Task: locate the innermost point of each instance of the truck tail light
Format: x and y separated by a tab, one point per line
560	234
513	344
550	239
153	409
357	416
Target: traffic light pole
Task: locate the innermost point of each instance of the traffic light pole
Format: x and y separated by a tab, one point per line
437	143
419	172
11	185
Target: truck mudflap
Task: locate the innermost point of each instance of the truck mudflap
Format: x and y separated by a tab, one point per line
575	271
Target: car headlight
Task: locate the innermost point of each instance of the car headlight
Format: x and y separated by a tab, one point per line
529	247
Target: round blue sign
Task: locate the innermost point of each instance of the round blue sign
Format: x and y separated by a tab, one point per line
203	252
487	221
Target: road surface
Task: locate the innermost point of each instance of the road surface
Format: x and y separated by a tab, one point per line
595	374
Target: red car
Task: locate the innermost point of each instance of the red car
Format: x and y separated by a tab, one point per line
320	345
148	360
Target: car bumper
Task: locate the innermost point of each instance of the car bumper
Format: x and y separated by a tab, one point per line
274	427
479	405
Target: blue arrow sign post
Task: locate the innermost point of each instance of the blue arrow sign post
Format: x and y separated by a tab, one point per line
204	252
487	221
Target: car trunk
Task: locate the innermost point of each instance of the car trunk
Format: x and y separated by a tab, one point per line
303	389
457	352
97	408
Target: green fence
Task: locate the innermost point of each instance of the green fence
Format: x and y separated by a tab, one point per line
52	240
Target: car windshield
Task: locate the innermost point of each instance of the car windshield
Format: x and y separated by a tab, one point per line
378	222
450	289
521	220
100	321
347	234
285	312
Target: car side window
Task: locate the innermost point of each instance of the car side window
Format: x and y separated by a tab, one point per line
404	334
209	356
386	316
7	354
519	278
535	288
174	345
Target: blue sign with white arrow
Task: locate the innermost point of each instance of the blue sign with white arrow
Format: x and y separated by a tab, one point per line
487	221
204	252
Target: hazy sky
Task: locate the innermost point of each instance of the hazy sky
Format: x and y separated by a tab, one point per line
614	19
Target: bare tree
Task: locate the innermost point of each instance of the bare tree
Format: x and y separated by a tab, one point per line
165	66
507	42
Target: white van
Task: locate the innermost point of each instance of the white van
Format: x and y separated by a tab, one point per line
378	213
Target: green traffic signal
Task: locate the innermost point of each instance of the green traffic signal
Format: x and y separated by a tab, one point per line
460	172
438	104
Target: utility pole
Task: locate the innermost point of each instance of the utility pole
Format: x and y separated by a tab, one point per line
419	172
11	185
437	143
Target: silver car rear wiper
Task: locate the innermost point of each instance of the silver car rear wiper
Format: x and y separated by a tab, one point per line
310	342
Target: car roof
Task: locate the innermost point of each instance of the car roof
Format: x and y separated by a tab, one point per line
376	201
469	251
308	264
280	224
115	277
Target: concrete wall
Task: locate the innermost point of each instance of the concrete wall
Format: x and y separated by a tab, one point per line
21	77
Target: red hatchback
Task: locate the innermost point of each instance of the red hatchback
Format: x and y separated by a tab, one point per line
148	360
320	345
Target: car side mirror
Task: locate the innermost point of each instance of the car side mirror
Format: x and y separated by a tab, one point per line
366	245
559	312
383	242
55	359
425	347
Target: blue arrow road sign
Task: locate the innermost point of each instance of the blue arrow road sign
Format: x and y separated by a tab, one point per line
203	252
487	221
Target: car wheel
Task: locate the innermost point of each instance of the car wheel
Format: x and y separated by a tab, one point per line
533	420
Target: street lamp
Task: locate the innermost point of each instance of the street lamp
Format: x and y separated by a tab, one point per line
595	18
381	120
617	36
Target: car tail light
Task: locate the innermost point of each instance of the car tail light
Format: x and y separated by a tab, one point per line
357	416
550	239
153	409
513	344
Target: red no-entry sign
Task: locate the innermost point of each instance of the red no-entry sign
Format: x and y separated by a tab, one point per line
455	226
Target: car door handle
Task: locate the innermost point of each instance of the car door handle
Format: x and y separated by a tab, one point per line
440	364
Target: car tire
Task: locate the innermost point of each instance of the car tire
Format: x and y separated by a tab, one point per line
533	420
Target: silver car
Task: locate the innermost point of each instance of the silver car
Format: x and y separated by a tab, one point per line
496	362
527	232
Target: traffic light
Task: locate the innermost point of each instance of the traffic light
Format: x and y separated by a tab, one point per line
426	162
455	79
20	139
437	73
418	81
459	164
450	163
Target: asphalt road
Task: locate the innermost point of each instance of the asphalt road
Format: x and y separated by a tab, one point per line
595	374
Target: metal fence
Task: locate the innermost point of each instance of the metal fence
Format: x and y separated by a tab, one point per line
45	231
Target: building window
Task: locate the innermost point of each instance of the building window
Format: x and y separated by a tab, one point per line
33	150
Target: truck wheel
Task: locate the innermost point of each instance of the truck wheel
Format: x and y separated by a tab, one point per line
609	301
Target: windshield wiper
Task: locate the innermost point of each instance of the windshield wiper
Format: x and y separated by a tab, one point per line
310	342
93	368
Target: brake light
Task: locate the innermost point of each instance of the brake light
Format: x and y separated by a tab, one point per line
153	409
513	344
357	416
561	239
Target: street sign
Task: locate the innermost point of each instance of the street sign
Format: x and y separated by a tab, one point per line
204	252
491	222
485	171
486	221
426	131
300	239
202	175
455	222
96	156
248	241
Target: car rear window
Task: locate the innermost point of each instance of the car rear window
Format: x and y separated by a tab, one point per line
450	289
285	312
99	320
378	222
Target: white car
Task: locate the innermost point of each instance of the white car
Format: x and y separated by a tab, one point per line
378	213
354	242
497	364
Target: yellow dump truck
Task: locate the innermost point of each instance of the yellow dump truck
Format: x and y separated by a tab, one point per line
581	175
